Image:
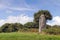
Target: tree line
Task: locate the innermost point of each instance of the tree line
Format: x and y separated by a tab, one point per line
14	27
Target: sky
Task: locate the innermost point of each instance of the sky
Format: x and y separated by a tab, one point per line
22	11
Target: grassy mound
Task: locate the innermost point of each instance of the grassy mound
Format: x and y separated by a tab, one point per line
27	36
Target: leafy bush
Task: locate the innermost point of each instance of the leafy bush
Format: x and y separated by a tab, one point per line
54	31
11	27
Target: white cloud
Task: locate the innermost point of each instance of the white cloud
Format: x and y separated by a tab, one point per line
16	19
2	6
9	4
2	22
21	9
55	21
25	18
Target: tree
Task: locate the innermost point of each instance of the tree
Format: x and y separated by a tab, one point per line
48	26
4	28
29	25
41	18
11	27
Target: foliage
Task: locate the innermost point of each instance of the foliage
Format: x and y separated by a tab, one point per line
48	26
11	27
30	25
15	27
47	14
53	30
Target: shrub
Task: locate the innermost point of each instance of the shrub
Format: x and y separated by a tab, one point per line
54	31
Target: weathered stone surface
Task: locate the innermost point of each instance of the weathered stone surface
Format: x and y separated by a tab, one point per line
42	22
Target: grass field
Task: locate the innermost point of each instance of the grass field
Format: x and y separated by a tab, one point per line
27	36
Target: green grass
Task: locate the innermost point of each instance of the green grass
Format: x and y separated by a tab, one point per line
27	36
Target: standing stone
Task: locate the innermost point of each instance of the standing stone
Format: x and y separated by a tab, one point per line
42	23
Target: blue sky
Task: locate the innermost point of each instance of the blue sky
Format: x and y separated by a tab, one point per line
23	10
